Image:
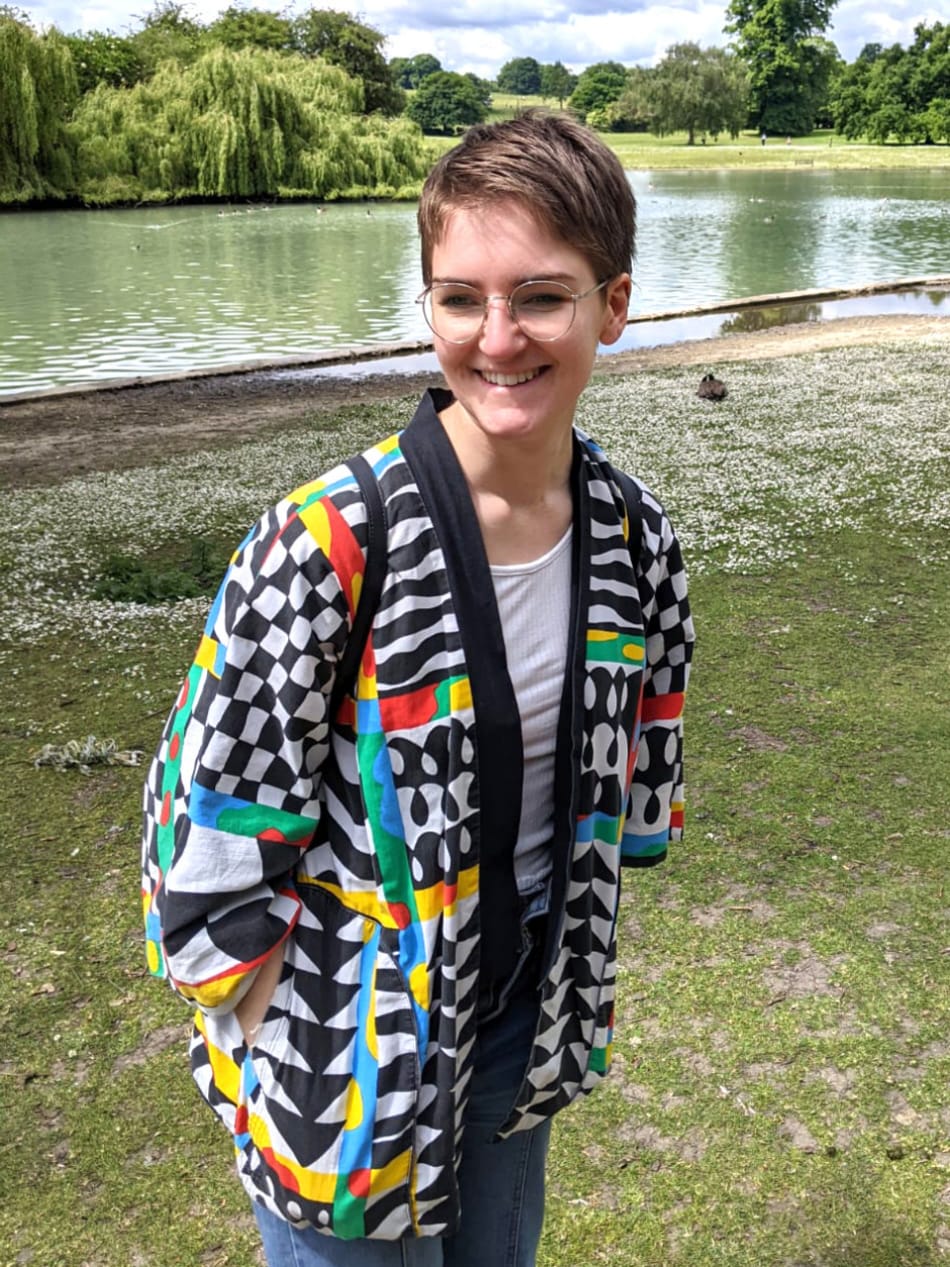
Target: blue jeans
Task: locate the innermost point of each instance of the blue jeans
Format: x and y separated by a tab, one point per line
501	1183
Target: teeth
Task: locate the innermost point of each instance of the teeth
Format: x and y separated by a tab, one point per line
509	380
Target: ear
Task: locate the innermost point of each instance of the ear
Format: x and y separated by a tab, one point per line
616	303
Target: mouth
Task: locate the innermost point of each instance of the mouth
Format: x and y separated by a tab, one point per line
509	380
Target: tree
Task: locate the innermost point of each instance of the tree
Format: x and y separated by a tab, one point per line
895	93
238	27
168	34
521	76
936	119
445	103
342	41
698	90
930	60
39	89
409	72
633	109
557	82
99	57
482	87
242	123
599	85
820	60
772	37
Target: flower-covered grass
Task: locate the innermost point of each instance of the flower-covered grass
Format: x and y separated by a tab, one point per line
778	1096
802	447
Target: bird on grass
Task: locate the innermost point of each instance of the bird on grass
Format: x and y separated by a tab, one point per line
711	388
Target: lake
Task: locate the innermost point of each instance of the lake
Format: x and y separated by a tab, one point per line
88	296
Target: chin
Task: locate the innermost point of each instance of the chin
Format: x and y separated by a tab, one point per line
514	422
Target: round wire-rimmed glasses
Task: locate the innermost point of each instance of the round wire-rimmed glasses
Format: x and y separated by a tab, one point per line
543	311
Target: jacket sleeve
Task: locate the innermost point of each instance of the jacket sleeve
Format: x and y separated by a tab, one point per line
655	805
233	795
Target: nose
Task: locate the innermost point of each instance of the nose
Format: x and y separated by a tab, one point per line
499	331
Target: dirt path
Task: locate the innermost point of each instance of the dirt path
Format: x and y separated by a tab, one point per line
48	438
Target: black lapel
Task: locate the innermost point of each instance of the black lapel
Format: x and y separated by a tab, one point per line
444	491
570	736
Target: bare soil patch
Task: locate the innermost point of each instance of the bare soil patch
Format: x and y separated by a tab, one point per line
48	438
807	977
152	1044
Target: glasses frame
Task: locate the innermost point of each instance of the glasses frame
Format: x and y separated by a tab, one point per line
487	300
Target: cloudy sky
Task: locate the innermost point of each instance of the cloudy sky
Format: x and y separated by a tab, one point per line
481	35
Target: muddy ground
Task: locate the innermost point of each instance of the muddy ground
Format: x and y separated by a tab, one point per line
50	437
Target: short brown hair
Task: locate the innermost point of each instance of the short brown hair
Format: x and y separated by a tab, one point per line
551	165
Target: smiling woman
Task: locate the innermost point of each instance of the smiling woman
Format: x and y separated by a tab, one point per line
406	967
515	394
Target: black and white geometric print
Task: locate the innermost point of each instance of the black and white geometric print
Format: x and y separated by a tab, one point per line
351	846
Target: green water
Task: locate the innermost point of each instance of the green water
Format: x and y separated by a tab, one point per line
89	296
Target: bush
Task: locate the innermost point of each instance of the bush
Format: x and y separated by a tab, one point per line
445	103
130	579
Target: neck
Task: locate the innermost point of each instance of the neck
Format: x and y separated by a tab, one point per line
520	488
522	472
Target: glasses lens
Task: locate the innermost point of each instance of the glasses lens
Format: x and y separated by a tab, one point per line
454	312
543	310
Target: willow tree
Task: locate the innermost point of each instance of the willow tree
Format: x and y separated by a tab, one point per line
37	89
246	123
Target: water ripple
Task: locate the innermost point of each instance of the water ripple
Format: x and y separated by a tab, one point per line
86	296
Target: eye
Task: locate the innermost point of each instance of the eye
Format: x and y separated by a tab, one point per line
541	297
456	299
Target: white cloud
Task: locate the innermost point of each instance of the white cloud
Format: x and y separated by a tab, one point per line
855	25
481	35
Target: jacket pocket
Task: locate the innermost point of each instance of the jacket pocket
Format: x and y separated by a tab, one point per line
327	1093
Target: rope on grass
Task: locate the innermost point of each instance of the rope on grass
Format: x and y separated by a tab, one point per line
80	755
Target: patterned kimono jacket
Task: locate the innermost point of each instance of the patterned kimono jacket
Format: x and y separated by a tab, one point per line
361	847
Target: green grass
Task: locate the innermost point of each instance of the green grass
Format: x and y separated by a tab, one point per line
782	1044
778	1097
642	151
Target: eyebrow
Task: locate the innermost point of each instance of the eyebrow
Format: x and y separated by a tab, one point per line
567	279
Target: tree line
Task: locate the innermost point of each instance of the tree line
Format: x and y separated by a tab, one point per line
780	77
251	105
261	104
896	93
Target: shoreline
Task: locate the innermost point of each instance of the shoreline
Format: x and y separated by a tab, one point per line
744	153
377	354
46	439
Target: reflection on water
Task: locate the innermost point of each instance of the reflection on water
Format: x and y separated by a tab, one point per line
88	296
752	233
754	319
663	332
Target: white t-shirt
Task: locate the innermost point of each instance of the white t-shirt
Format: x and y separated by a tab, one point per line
534	604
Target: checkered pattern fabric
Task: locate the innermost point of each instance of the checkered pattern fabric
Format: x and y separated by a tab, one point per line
350	845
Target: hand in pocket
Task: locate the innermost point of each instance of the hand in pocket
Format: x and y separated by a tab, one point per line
252	1009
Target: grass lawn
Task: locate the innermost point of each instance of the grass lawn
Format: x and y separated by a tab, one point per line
778	1097
642	151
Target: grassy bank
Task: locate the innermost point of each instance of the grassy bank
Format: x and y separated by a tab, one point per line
642	151
779	1090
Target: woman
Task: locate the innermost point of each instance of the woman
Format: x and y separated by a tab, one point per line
398	923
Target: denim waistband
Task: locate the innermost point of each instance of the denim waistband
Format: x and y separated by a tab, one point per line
493	996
